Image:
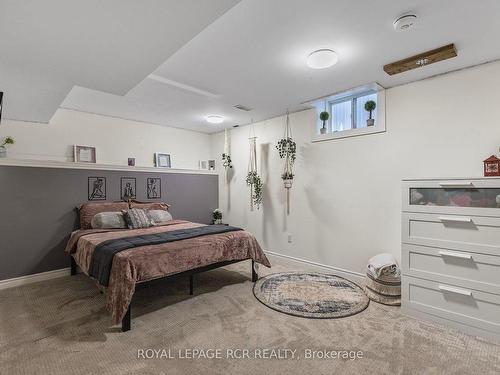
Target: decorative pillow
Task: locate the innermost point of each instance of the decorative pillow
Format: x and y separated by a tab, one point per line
137	218
108	220
150	205
159	216
88	210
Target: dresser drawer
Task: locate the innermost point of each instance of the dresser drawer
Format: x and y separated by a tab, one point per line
476	197
466	306
473	270
466	233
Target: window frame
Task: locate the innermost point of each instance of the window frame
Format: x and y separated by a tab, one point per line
322	103
354	106
330	111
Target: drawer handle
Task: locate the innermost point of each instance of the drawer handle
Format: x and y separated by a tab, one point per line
455	255
456	184
451	289
456	219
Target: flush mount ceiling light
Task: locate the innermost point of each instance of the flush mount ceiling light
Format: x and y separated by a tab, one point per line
214	119
405	22
322	58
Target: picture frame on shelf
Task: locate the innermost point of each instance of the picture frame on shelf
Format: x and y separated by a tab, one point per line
162	160
203	164
128	188
96	187
84	154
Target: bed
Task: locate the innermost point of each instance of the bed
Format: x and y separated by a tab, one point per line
137	256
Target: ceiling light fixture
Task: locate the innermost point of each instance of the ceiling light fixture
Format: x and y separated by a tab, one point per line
214	119
322	58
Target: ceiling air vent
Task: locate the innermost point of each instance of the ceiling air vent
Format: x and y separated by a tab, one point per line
243	108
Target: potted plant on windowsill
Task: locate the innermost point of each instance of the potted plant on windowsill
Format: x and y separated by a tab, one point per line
3	149
324	116
370	106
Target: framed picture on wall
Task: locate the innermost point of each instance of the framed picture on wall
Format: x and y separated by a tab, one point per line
96	188
128	188
84	154
153	188
162	160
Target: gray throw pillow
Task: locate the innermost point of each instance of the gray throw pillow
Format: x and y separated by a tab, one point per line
108	220
137	218
159	216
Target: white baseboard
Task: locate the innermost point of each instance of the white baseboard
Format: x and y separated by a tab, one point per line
29	279
314	266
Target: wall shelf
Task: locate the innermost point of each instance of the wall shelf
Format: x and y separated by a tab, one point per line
95	166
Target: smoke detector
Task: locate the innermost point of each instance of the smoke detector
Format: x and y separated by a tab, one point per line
405	22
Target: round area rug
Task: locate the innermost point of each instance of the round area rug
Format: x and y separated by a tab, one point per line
310	295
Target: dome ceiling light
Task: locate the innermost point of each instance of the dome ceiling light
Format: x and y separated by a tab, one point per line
215	119
322	58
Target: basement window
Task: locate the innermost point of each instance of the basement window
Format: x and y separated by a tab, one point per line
347	114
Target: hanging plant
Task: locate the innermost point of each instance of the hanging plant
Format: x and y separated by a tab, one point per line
226	161
253	180
287	147
226	158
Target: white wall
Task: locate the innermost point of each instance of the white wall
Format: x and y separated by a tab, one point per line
115	139
346	198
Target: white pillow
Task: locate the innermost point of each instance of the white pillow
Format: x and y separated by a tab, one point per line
108	220
159	216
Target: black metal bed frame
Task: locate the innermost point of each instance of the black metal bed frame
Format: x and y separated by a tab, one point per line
126	319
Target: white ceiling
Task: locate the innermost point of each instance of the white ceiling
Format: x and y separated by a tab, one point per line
47	47
253	54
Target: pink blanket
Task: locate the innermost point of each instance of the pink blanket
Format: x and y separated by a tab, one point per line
155	261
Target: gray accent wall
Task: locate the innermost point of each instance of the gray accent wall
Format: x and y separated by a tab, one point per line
38	209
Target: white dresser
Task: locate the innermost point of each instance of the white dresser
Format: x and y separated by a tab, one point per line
451	253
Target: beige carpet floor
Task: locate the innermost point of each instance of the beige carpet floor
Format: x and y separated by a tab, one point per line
60	327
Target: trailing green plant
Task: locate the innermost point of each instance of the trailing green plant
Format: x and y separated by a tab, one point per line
226	161
253	180
8	141
287	176
287	147
370	106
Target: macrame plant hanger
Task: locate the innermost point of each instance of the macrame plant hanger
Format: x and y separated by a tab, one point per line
288	167
226	157
252	164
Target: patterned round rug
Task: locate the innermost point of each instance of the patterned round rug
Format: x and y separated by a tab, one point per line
310	295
